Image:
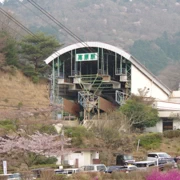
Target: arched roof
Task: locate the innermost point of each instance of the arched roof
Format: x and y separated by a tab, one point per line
115	49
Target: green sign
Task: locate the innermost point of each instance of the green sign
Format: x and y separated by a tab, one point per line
87	57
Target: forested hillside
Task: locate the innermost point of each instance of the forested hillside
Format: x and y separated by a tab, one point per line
149	30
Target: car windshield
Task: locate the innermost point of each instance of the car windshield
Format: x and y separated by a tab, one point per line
141	165
128	157
164	155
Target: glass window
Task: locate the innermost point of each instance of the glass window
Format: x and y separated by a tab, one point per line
167	124
99	168
128	157
89	168
141	165
152	155
164	155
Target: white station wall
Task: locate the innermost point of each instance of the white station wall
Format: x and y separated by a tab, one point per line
140	81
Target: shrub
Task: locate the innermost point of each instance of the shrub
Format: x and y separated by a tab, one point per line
87	176
60	177
20	104
7	125
47	174
48	129
29	71
35	79
77	134
170	175
151	140
45	160
26	175
171	133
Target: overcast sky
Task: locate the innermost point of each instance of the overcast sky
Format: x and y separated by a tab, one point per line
2	1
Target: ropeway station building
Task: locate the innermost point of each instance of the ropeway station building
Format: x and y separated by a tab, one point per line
90	78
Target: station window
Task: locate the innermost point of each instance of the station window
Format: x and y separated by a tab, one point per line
167	124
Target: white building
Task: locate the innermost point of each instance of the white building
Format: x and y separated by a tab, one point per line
80	157
93	77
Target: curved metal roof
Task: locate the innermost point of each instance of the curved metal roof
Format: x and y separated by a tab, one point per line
117	50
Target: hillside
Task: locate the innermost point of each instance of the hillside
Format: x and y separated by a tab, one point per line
149	30
20	95
118	22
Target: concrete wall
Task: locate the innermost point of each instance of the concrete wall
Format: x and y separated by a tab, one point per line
84	158
140	81
168	106
176	124
157	128
87	157
95	155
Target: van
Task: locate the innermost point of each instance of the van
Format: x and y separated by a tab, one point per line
93	168
124	159
161	158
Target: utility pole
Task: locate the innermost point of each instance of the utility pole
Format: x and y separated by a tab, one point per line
62	146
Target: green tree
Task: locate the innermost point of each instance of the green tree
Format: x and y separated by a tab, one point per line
36	48
8	46
11	52
140	112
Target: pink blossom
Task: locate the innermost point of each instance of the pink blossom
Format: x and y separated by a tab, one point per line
44	144
170	175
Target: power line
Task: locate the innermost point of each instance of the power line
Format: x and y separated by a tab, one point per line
13	29
47	22
59	24
38	15
16	22
21	25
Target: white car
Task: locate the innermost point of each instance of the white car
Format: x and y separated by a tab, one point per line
161	158
130	168
144	165
93	168
68	171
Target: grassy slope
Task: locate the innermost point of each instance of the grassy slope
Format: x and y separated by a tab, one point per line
18	91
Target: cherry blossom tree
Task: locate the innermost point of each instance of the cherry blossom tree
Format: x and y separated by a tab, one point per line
36	144
43	144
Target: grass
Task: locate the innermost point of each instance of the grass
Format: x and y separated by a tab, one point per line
17	90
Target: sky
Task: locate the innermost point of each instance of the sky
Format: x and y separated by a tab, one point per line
2	1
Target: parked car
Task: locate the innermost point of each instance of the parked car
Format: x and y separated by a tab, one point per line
124	159
144	165
161	158
131	168
111	169
93	168
68	171
15	176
